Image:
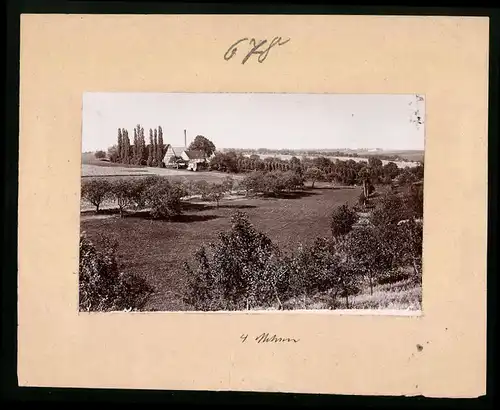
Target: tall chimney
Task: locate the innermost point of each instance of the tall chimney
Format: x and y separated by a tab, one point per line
185	139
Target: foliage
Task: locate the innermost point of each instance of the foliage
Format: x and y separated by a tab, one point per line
164	198
201	143
214	192
237	274
342	220
100	154
390	210
367	254
314	174
102	287
96	191
125	193
272	183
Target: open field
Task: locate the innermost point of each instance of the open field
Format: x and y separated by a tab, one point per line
156	249
91	170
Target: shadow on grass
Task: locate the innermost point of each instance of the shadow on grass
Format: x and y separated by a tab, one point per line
196	207
291	195
183	218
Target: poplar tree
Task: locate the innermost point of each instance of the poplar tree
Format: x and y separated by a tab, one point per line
160	148
135	147
126	150
150	149
119	146
142	146
155	148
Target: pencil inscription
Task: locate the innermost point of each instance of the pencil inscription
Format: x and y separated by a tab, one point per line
268	338
256	47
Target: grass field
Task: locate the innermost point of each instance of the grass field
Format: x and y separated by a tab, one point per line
157	249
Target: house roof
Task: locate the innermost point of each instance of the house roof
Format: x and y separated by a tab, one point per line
195	154
178	150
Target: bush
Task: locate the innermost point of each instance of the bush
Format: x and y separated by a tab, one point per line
96	191
126	193
237	276
214	192
272	183
100	154
342	220
102	287
164	199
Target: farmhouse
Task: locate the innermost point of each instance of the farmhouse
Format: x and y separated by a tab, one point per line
173	156
194	159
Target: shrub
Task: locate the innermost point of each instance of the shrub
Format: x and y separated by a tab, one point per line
100	154
342	220
236	276
214	193
96	191
124	193
367	254
314	174
389	210
102	287
228	184
164	199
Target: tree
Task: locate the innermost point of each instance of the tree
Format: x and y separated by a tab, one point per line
364	248
201	143
160	151
124	194
154	162
120	145
201	292
102	287
100	154
238	268
342	220
364	175
150	149
135	159
142	149
390	210
126	147
113	153
411	234
391	170
164	199
313	174
215	193
96	191
414	200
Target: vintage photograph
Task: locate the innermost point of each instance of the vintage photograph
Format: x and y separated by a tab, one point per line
251	202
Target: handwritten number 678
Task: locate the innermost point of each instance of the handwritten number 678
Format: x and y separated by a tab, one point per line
260	48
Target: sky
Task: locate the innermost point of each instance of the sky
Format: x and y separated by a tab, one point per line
257	120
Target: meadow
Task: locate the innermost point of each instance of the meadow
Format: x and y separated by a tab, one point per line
156	249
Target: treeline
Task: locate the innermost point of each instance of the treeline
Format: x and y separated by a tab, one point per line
321	168
158	194
138	152
244	269
313	152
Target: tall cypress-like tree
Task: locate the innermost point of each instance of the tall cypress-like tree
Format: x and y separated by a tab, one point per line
161	151
155	148
126	150
135	149
140	152
119	146
150	149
